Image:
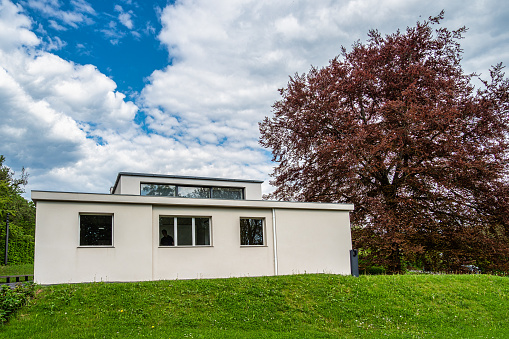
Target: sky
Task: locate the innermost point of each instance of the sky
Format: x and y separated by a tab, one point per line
92	88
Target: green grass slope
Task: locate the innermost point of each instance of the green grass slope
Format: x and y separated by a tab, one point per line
302	306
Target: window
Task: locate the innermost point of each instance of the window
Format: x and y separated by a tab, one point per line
184	231
203	192
96	230
193	192
251	231
158	189
227	193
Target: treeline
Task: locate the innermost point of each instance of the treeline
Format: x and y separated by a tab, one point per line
21	217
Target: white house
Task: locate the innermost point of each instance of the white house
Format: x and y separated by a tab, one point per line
214	228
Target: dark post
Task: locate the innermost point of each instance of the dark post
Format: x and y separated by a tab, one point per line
354	262
6	238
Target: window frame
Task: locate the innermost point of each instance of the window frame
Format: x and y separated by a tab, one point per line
177	186
112	215
193	230
264	233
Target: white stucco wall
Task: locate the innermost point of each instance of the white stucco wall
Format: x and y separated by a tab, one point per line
311	241
311	238
60	259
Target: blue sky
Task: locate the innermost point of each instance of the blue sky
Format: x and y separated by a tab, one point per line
91	88
119	38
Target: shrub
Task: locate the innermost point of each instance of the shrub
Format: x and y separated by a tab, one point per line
21	245
11	299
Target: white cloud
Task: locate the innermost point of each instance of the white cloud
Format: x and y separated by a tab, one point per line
14	28
55	25
149	29
124	17
33	130
113	33
82	12
230	58
52	110
54	44
82	92
83	6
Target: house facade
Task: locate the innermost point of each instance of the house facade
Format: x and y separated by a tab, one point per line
158	227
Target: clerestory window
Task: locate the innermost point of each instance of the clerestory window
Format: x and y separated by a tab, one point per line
186	191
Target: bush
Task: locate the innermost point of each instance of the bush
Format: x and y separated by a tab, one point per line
21	245
374	270
11	299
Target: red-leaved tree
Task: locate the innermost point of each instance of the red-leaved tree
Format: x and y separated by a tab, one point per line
397	128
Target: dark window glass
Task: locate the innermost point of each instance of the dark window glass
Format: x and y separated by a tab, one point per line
158	189
251	231
96	230
193	192
202	231
184	231
227	193
232	193
166	231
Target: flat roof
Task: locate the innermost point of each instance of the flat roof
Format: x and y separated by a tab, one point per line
177	201
149	175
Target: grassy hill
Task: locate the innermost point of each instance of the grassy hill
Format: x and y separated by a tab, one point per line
302	306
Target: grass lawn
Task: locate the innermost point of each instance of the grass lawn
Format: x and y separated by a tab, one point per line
301	306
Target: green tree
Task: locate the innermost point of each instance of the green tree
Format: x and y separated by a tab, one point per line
21	216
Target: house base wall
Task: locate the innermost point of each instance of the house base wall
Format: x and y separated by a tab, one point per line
307	241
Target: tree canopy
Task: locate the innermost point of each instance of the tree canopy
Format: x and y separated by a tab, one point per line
21	218
9	188
397	128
